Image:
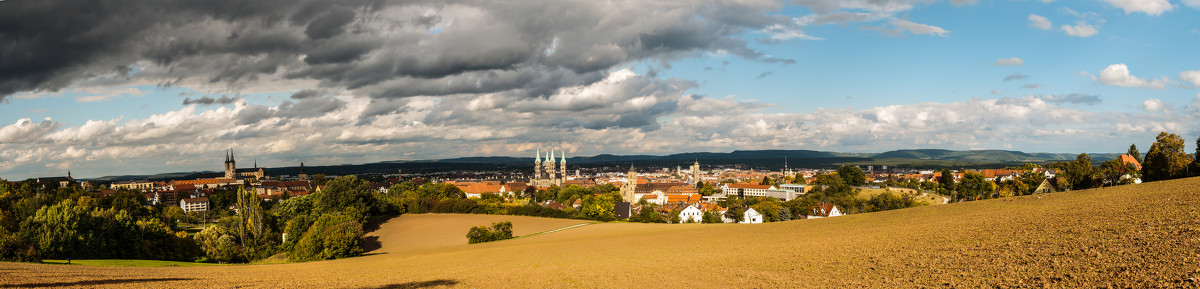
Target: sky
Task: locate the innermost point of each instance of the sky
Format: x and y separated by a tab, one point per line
141	87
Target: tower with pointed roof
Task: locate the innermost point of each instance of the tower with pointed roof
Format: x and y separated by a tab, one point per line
630	186
230	165
548	172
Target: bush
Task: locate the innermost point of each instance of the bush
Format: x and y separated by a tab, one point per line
331	236
499	231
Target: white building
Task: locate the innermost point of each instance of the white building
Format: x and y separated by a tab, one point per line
691	213
752	217
194	204
824	210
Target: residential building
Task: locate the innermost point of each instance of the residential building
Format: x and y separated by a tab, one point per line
824	210
194	204
752	217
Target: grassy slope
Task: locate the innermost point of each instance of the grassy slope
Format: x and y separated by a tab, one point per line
1135	236
129	263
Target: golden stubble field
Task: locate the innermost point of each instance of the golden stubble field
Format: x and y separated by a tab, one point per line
1145	235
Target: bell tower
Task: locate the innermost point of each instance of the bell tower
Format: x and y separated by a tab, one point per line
230	165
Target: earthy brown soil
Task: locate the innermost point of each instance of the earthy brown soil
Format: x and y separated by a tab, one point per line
1138	236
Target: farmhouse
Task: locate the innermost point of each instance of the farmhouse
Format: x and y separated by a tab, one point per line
824	210
752	217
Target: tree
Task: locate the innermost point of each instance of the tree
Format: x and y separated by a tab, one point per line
1166	158
852	175
799	179
498	231
56	229
947	180
599	208
1079	172
974	186
218	244
711	217
1133	151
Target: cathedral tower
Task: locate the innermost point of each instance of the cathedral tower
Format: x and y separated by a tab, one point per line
230	165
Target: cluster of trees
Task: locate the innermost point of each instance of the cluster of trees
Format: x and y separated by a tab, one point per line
498	231
47	222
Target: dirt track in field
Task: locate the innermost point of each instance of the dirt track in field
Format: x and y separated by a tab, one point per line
1145	235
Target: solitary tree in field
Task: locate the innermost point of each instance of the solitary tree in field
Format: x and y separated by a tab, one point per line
1166	158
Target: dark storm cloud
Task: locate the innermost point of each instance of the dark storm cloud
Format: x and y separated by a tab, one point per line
207	100
307	93
377	48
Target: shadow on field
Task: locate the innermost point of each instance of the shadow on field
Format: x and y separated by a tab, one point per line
370	244
101	282
415	285
373	223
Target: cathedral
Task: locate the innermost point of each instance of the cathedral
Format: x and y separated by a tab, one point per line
232	172
544	172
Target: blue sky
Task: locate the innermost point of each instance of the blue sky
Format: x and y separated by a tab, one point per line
338	83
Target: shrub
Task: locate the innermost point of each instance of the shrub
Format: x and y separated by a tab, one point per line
499	231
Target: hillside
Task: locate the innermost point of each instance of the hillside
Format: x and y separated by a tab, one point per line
1145	235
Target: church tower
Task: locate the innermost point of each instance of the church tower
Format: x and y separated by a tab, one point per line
630	185
550	171
562	172
230	165
303	176
537	165
696	171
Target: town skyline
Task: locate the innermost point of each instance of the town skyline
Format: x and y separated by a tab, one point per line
346	83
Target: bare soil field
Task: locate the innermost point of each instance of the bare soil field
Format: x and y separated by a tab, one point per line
1145	235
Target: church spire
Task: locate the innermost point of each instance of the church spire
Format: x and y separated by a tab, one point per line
538	157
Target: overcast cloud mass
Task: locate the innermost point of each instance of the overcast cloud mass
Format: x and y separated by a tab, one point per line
333	82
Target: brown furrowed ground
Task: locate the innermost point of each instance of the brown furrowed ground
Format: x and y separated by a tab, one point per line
1145	235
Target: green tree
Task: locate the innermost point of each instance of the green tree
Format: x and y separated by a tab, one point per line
852	175
711	217
973	186
1166	158
599	208
947	180
799	179
218	244
57	229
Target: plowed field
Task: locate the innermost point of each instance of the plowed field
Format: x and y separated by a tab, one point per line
1145	235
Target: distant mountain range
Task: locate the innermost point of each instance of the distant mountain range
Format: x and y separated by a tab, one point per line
764	159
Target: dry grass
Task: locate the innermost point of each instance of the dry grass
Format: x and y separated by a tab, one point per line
1144	235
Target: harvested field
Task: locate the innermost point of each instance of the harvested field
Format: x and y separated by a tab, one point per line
1145	235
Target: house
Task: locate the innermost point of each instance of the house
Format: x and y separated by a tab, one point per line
752	217
622	210
824	210
715	209
194	204
691	214
1044	188
1127	159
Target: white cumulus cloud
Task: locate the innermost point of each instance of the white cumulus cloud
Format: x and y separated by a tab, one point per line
1009	62
1080	29
1118	75
1039	22
1192	76
1150	7
1156	105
